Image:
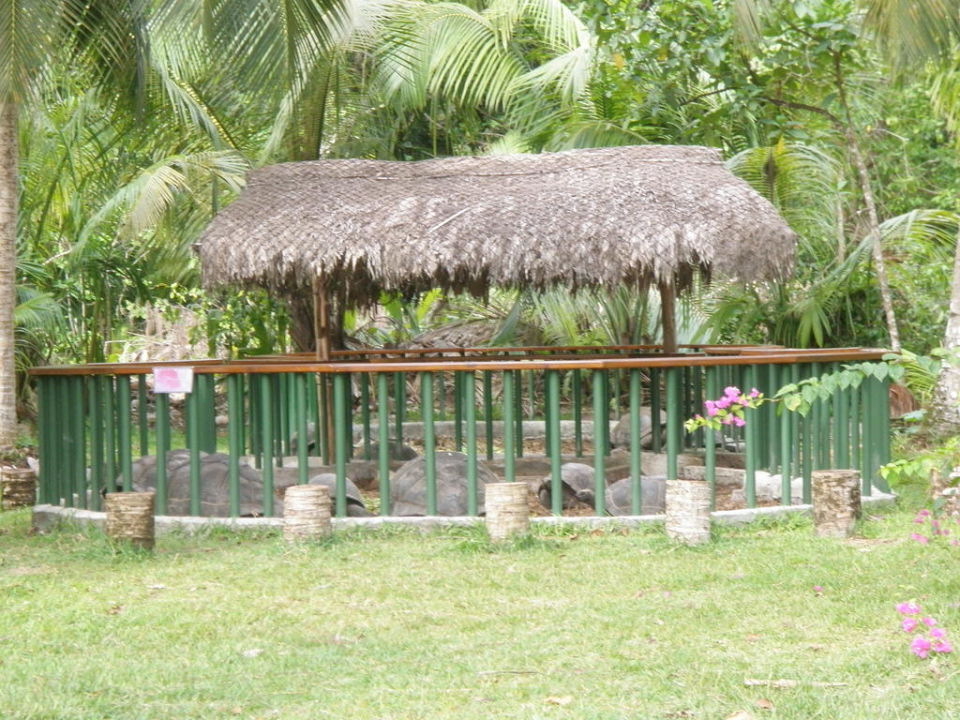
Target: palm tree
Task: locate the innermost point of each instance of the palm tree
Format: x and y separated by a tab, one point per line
917	35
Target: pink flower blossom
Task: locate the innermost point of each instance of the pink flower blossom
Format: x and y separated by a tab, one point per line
711	407
731	392
929	621
818	589
920	646
738	421
909	624
942	646
754	393
920	519
922	539
908	608
923	513
938	633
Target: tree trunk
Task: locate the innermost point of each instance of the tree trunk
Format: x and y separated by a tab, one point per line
8	274
944	418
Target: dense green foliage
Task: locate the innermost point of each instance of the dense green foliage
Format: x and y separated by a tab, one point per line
116	188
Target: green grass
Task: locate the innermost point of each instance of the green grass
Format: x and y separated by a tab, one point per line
400	625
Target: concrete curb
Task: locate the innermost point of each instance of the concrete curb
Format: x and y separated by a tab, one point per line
48	517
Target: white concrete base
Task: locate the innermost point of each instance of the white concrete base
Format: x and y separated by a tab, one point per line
48	517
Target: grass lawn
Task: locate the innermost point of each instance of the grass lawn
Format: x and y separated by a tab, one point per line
403	625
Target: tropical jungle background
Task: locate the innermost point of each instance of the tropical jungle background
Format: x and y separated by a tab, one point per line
126	124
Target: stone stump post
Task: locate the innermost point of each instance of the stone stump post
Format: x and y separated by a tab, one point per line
507	510
836	502
18	488
688	511
130	518
306	513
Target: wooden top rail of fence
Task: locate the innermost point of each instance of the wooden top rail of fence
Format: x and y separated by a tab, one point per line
710	355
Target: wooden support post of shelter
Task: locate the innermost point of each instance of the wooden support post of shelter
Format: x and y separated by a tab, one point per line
668	315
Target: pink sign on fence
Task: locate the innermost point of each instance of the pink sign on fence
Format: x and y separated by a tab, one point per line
172	379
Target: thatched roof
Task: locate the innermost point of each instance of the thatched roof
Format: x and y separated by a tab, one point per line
583	217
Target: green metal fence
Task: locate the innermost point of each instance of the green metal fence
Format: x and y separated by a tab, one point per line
95	420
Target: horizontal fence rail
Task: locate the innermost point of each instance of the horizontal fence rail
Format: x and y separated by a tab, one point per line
281	420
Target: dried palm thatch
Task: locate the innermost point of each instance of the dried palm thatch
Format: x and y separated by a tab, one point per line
598	217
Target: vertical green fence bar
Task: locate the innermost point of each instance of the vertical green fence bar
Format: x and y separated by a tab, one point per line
313	396
518	412
786	449
636	451
655	411
577	382
142	415
531	395
807	452
856	418
323	422
429	440
284	407
365	413
193	442
299	381
255	404
79	466
162	406
470	411
770	418
841	409
45	437
883	419
51	465
125	438
383	429
341	433
752	438
106	393
488	412
347	417
458	401
95	411
235	442
710	438
206	412
696	405
266	440
599	450
552	408
674	421
509	407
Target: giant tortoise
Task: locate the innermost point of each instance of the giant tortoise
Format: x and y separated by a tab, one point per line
408	487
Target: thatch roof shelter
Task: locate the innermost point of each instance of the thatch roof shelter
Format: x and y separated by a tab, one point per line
599	217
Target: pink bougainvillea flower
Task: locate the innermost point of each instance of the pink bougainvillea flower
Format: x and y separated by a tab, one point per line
922	539
818	589
731	392
923	513
920	519
739	421
942	646
909	624
920	646
711	407
929	621
955	542
938	633
908	608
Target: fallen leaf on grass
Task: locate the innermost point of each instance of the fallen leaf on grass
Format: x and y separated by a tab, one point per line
156	587
765	704
115	610
559	700
680	714
252	652
753	638
739	715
